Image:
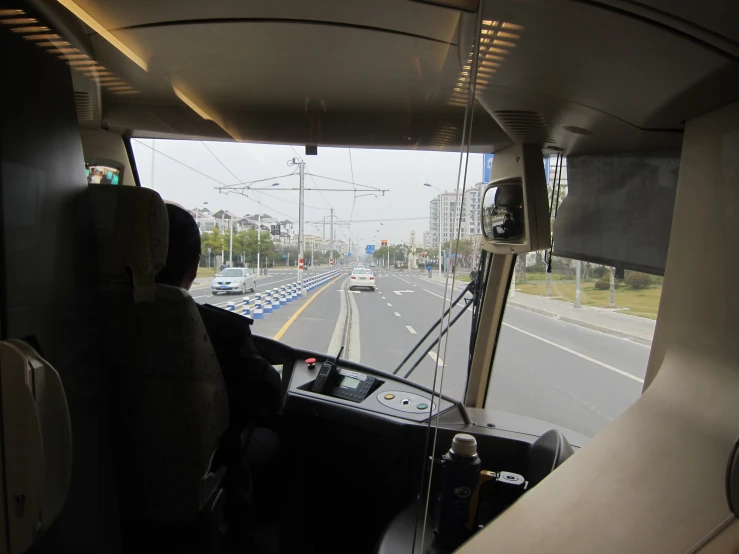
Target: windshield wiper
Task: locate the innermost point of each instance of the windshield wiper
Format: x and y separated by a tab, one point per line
467	289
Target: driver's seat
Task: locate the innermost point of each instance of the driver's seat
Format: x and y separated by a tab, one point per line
168	400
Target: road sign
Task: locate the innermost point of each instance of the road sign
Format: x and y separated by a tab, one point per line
301	263
369	249
349	254
331	261
284	256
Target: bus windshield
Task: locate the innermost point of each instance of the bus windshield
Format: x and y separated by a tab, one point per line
578	364
364	208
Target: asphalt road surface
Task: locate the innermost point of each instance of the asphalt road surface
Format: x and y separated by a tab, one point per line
544	368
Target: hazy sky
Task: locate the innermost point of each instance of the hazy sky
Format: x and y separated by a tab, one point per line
405	207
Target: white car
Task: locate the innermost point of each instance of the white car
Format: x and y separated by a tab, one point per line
234	279
362	278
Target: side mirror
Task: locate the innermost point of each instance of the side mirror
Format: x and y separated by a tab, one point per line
515	211
217	275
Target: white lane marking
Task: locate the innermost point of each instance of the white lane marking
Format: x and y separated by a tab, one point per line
389	304
556	318
583	356
400	292
411	330
440	296
434	357
403	280
415	285
397	314
384	298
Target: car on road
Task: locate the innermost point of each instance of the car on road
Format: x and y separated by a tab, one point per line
234	279
362	278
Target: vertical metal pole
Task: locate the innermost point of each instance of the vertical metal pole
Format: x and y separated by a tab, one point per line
331	241
439	232
612	298
577	284
301	222
153	159
259	234
512	291
231	242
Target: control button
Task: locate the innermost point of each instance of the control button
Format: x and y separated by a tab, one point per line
405	402
311	363
422	406
389	396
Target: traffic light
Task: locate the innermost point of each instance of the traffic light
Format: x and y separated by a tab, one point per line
383	242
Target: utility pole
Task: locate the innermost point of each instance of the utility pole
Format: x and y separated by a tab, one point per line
331	241
231	242
301	228
259	233
577	284
301	216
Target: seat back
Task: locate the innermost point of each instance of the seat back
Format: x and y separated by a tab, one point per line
168	401
35	446
547	453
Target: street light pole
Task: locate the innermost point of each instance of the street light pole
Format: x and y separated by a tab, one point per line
439	206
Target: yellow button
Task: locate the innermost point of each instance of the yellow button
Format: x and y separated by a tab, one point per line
389	396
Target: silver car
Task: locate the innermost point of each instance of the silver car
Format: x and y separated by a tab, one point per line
362	278
234	279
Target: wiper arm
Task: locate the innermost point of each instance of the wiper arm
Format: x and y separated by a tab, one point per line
468	303
434	326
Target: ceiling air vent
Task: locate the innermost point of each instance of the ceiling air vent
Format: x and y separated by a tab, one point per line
577	130
83	102
524	127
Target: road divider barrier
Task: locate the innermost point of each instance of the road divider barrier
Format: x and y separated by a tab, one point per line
263	303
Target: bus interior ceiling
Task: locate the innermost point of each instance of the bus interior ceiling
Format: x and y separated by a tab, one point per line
596	77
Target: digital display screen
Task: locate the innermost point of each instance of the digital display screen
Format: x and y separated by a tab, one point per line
102	175
350	382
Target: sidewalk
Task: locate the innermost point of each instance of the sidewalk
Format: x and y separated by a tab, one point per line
611	322
638	329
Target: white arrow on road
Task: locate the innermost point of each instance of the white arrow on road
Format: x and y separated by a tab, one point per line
400	292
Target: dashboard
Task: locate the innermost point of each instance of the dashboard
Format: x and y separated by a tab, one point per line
365	389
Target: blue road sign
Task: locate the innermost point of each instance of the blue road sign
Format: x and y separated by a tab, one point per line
369	249
349	254
284	256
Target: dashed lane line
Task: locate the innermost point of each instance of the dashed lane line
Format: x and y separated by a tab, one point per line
411	330
397	314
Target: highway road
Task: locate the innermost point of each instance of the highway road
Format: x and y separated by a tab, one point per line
544	368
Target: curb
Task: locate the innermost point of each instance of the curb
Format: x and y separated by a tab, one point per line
580	323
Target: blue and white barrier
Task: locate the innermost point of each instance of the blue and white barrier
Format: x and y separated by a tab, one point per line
263	303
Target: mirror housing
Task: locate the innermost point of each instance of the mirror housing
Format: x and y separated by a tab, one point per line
515	210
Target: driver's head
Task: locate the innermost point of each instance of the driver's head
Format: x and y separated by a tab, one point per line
183	255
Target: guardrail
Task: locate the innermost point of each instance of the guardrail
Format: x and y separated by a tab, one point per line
265	303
